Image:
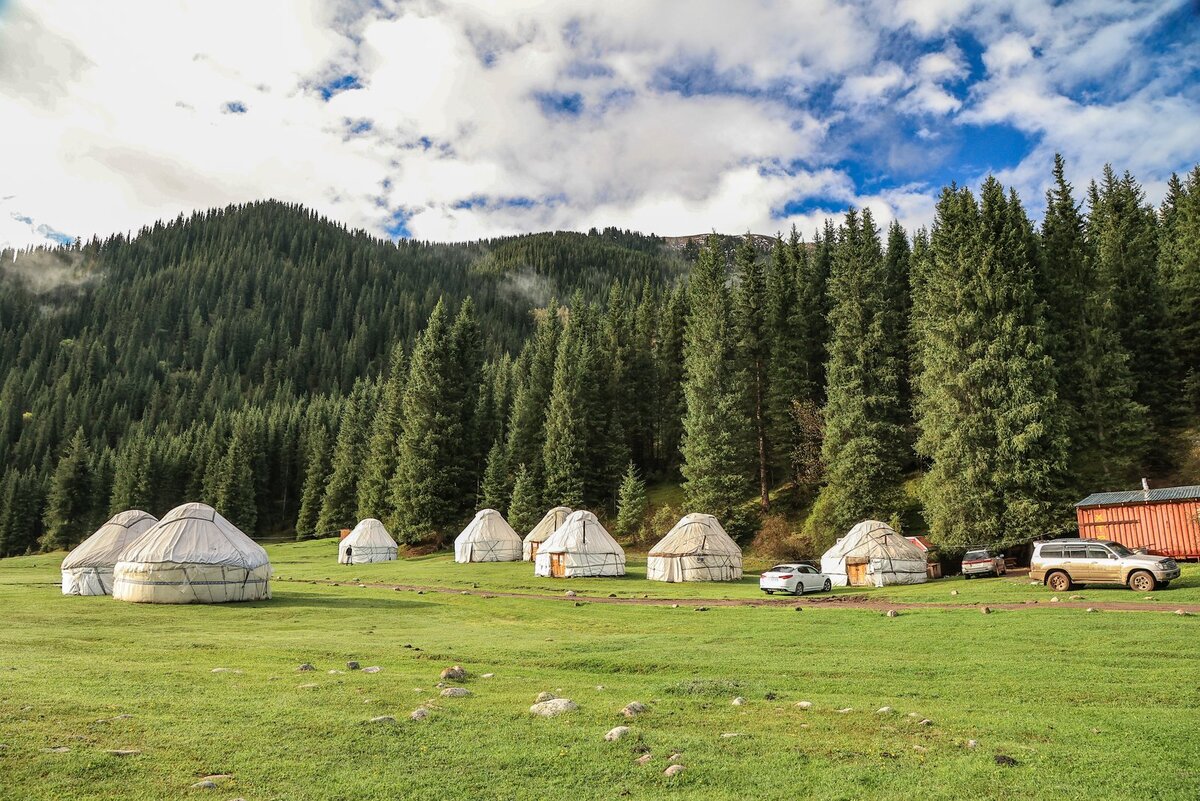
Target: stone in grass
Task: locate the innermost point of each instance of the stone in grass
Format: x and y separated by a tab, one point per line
571	593
845	711
925	722
883	710
307	686
954	592
352	665
456	673
701	608
123	752
553	707
1091	609
739	701
674	770
455	692
892	613
1182	612
383	719
205	785
372	669
633	709
1054	599
616	733
487	675
987	610
543	697
675	757
1076	597
305	667
644	758
224	670
972	743
419	714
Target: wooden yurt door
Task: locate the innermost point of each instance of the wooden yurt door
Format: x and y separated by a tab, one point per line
856	575
557	567
533	546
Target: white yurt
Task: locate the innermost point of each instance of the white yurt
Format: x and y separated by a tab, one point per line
872	554
580	547
193	556
88	570
696	549
368	542
548	525
487	538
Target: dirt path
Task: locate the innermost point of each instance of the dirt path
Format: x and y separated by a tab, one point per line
817	602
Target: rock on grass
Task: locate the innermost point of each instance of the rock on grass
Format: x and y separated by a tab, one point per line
674	770
383	719
456	673
633	709
553	707
616	733
455	692
543	698
419	714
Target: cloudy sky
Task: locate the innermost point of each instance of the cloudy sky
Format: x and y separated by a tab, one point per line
459	120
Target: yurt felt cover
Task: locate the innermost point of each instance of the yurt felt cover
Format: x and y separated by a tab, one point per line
545	527
368	542
487	538
193	555
890	558
581	547
696	549
88	569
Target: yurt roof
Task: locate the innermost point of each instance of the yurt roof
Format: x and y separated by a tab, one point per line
370	533
696	534
488	524
874	538
195	533
581	532
548	524
105	546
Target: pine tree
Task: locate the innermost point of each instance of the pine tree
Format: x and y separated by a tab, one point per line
425	501
565	450
380	463
526	509
988	411
465	373
786	367
133	477
669	376
316	473
527	427
339	503
716	441
753	350
235	483
495	494
1179	267
631	506
68	502
864	448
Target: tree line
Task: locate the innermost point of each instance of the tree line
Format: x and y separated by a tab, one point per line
971	379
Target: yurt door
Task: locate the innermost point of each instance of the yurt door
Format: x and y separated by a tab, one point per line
856	574
557	568
533	546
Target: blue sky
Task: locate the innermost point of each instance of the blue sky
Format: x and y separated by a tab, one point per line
453	121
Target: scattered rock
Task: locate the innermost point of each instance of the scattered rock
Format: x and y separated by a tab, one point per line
600	688
227	670
553	707
205	785
336	672
612	595
123	752
644	758
739	701
1182	612
913	715
799	608
420	592
487	675
1054	600
954	592
352	665
543	698
455	673
674	606
579	603
372	669
1035	583
58	749
398	589
987	610
1076	597
675	757
972	743
1091	609
731	734
925	722
804	705
1147	597
892	613
419	713
674	770
383	719
464	592
701	608
305	667
307	686
883	710
920	749
616	733
571	593
1006	760
362	586
633	709
455	692
844	711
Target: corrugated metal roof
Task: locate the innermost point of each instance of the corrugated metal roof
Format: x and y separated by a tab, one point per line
1138	496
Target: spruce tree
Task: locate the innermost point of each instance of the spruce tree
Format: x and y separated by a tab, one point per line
988	410
786	366
753	352
316	473
463	395
133	477
69	500
864	448
527	426
565	449
495	491
235	482
631	506
525	510
340	501
669	377
380	462
717	457
1179	267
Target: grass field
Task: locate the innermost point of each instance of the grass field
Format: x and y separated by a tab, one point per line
1090	706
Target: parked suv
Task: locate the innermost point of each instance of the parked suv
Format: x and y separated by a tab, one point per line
1061	564
981	562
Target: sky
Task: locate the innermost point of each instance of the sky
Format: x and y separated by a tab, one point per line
452	121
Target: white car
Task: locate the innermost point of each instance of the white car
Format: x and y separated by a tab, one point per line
793	578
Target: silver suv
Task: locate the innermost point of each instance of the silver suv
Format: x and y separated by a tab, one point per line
1061	564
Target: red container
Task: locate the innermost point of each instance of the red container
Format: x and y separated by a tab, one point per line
1163	521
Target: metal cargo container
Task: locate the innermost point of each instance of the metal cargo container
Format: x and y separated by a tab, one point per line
1163	521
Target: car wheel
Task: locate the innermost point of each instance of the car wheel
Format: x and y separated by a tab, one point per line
828	585
967	576
1058	581
1141	581
799	590
769	592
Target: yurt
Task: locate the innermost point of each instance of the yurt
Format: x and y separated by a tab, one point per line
696	549
579	547
487	538
872	554
88	570
193	556
548	525
368	542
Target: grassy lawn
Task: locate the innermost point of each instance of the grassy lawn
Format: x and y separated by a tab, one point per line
1090	706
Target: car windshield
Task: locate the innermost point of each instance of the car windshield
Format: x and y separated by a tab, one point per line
781	569
976	555
1119	549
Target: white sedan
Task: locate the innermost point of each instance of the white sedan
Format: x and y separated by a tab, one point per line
793	578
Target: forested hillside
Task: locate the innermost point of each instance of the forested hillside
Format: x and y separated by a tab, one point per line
299	376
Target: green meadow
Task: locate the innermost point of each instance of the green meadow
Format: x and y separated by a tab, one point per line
1089	706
